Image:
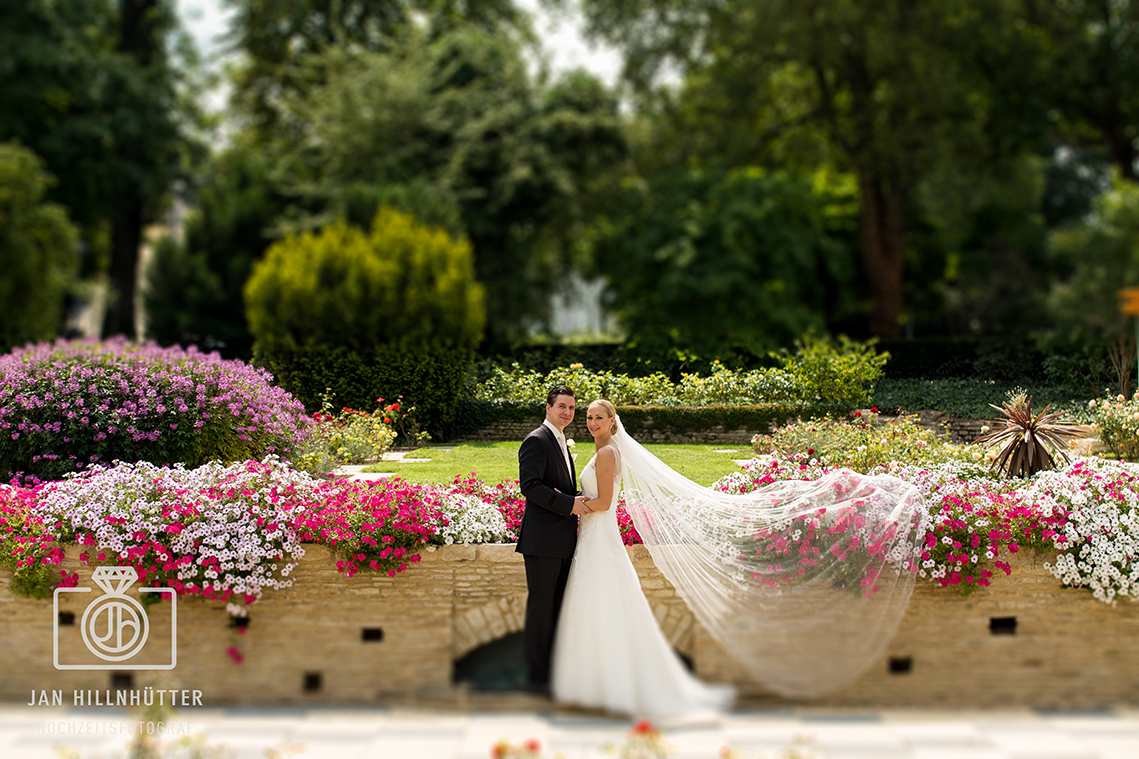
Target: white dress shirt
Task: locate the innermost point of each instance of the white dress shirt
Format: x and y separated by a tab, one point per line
561	444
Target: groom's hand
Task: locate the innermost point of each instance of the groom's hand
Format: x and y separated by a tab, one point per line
579	506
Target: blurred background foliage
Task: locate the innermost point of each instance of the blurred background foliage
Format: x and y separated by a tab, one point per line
956	178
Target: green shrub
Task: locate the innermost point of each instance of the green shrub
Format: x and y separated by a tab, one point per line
393	312
1117	420
529	386
641	421
820	374
863	443
841	375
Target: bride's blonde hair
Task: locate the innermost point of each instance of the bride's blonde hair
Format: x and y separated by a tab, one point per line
611	410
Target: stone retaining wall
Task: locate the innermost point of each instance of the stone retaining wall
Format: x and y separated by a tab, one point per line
959	430
373	638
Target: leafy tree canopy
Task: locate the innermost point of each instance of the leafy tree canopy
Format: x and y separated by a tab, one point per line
90	87
273	35
727	264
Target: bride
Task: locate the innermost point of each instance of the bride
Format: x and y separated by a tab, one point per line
608	650
802	582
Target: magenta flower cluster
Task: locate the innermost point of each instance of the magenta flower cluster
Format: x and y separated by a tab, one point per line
378	526
70	404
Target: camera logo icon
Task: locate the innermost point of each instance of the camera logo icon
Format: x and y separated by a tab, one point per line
115	627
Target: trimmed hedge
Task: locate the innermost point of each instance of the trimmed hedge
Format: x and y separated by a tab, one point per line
678	420
430	379
929	358
474	414
969	398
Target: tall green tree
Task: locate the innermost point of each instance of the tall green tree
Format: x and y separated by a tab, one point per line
38	252
193	292
727	264
1091	73
1096	258
148	145
274	35
89	87
883	89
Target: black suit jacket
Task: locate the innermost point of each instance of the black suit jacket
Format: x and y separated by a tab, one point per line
549	527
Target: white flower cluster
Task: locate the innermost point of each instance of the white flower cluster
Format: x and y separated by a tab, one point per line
471	520
225	527
1100	542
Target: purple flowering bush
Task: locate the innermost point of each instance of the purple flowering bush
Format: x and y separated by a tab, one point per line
70	404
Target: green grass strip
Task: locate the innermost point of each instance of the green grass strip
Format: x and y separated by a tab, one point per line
495	462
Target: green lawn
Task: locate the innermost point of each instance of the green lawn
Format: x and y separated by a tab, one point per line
495	462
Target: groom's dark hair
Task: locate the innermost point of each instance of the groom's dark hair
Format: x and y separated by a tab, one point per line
557	390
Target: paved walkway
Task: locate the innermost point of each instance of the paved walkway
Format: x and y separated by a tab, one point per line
404	733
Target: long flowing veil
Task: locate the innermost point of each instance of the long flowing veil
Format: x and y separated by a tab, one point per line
802	582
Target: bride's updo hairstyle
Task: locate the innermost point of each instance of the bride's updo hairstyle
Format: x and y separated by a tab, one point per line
611	410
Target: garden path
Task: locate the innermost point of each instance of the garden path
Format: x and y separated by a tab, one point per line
389	732
356	471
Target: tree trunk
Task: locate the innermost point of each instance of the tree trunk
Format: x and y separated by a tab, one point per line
1122	152
883	248
126	238
138	38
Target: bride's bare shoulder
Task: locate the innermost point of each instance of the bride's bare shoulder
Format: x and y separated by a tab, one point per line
607	455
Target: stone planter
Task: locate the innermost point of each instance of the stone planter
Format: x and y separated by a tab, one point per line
371	639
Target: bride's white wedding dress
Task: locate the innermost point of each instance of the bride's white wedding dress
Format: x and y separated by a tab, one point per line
609	651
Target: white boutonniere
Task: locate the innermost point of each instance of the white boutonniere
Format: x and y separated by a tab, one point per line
570	443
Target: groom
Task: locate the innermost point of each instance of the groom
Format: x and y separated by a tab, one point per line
548	534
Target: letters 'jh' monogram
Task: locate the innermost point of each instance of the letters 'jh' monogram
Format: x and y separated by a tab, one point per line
115	627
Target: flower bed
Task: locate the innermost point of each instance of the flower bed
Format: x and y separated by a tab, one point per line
1117	421
229	532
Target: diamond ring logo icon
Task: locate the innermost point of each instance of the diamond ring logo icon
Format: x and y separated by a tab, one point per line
115	627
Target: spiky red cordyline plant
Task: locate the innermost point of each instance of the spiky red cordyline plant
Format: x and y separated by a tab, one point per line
1031	443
